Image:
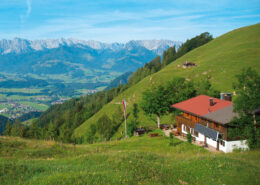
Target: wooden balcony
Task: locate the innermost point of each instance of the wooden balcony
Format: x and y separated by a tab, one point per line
191	123
182	120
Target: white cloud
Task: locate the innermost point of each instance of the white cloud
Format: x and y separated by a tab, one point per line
118	25
28	11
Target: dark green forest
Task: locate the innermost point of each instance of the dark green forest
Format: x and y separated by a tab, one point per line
3	121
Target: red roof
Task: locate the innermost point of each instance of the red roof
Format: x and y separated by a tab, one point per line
200	105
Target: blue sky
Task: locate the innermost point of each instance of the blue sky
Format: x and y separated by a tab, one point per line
123	20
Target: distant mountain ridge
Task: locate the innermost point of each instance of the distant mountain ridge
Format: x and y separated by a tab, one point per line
19	45
77	58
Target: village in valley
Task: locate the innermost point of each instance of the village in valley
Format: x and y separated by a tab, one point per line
15	110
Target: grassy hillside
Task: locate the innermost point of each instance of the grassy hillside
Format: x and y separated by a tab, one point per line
220	60
141	160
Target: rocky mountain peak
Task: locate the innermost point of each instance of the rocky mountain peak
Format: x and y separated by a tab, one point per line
19	45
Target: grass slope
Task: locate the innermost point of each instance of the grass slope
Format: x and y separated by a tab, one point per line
141	160
221	59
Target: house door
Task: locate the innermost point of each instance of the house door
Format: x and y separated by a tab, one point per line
179	127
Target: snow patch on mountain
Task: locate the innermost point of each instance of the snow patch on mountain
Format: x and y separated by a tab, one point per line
18	45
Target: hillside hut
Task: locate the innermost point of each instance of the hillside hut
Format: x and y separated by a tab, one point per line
139	132
188	64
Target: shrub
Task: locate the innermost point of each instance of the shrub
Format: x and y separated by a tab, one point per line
171	139
131	127
189	138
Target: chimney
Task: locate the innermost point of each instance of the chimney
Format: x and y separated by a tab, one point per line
211	103
222	96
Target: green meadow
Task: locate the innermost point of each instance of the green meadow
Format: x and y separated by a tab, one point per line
136	160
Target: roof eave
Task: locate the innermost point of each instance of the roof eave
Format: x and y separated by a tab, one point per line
202	116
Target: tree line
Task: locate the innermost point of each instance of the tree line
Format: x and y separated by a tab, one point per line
158	100
59	121
247	103
169	56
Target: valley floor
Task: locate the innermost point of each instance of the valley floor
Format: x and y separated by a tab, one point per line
137	160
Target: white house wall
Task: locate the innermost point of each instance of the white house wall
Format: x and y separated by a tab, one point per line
211	142
229	145
223	148
200	137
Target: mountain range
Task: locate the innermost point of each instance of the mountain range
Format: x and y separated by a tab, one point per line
19	45
77	58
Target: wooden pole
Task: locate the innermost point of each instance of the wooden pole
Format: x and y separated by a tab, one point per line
125	127
124	104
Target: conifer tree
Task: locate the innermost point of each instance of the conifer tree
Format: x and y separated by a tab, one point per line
135	112
51	132
117	118
90	135
16	128
34	131
169	56
104	127
132	125
8	128
22	132
65	133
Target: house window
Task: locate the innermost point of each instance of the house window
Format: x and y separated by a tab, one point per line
222	142
191	131
196	134
216	125
187	129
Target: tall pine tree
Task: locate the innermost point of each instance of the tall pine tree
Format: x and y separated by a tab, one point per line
16	128
8	128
